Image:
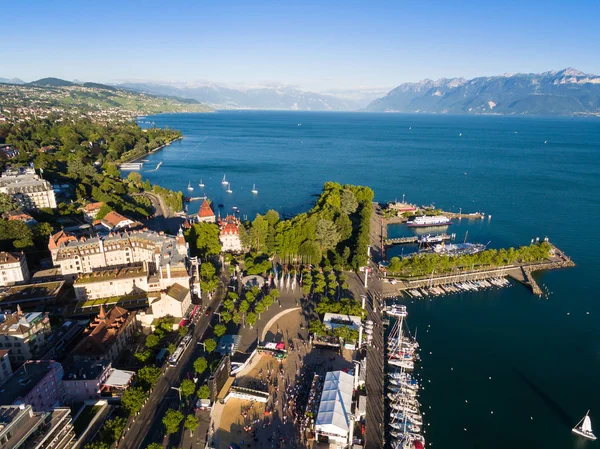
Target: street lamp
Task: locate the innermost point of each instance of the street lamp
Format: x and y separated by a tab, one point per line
217	313
178	390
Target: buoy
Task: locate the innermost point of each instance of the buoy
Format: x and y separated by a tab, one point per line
492	412
466	402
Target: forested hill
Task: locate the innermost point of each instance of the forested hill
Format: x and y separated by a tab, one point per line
564	92
96	101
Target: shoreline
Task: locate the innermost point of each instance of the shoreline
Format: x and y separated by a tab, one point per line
150	152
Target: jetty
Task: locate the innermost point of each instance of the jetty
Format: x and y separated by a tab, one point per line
414	239
522	272
189	199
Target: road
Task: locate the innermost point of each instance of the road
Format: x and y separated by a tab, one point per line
148	427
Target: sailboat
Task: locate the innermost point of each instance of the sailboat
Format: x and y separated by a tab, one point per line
228	188
190	186
201	185
584	427
254	189
224	182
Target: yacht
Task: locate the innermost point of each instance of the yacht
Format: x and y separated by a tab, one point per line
201	185
584	427
229	188
254	191
190	188
224	181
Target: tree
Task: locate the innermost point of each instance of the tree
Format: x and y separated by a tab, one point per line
237	318
259	232
152	341
226	316
348	203
204	392
204	239
272	217
132	399
244	306
326	234
200	365
229	305
96	445
219	330
190	423
171	348
259	308
343	225
103	211
317	328
251	318
210	345
154	446
187	388
113	428
172	420
134	178
183	330
143	356
149	375
7	203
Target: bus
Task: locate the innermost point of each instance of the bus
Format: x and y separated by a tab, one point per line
176	356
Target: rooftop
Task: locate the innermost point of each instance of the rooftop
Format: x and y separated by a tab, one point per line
85	369
24	379
111	273
113	219
205	210
8	258
178	292
31	292
19	323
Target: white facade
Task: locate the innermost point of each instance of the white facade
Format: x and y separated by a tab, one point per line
175	302
13	269
110	283
31	191
163	254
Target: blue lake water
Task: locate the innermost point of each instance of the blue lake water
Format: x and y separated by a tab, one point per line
533	362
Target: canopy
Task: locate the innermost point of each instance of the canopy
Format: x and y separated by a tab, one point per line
119	378
336	403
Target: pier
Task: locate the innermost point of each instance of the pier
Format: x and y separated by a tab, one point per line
519	272
131	166
413	239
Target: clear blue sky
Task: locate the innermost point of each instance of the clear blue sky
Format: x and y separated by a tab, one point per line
315	44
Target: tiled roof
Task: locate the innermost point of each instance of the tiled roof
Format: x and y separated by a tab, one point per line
205	210
114	218
104	331
93	206
6	258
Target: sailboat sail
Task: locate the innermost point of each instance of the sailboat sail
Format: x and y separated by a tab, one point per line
587	424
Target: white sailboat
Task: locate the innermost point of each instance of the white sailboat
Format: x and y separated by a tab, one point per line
254	191
201	185
584	427
229	188
190	188
224	182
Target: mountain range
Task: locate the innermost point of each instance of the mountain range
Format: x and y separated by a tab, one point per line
563	92
277	97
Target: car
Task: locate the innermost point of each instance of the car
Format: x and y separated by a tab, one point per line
208	311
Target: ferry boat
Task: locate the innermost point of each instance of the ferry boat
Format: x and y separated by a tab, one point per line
457	249
424	221
396	310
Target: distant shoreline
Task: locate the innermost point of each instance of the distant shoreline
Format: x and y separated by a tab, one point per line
153	151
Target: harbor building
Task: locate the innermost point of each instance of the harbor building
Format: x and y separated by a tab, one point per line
31	191
206	214
229	235
13	269
107	335
37	383
23	428
23	334
165	254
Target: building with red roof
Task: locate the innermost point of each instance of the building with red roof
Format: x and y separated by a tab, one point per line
206	214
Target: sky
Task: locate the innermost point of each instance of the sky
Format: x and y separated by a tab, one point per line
315	45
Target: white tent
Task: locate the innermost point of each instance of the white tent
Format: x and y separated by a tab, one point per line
336	405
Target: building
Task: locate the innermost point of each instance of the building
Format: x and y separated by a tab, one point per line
229	235
22	428
164	254
106	335
114	221
402	207
333	419
23	334
31	191
83	379
38	294
111	282
175	301
333	320
37	383
13	269
206	214
5	368
19	215
8	152
90	210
